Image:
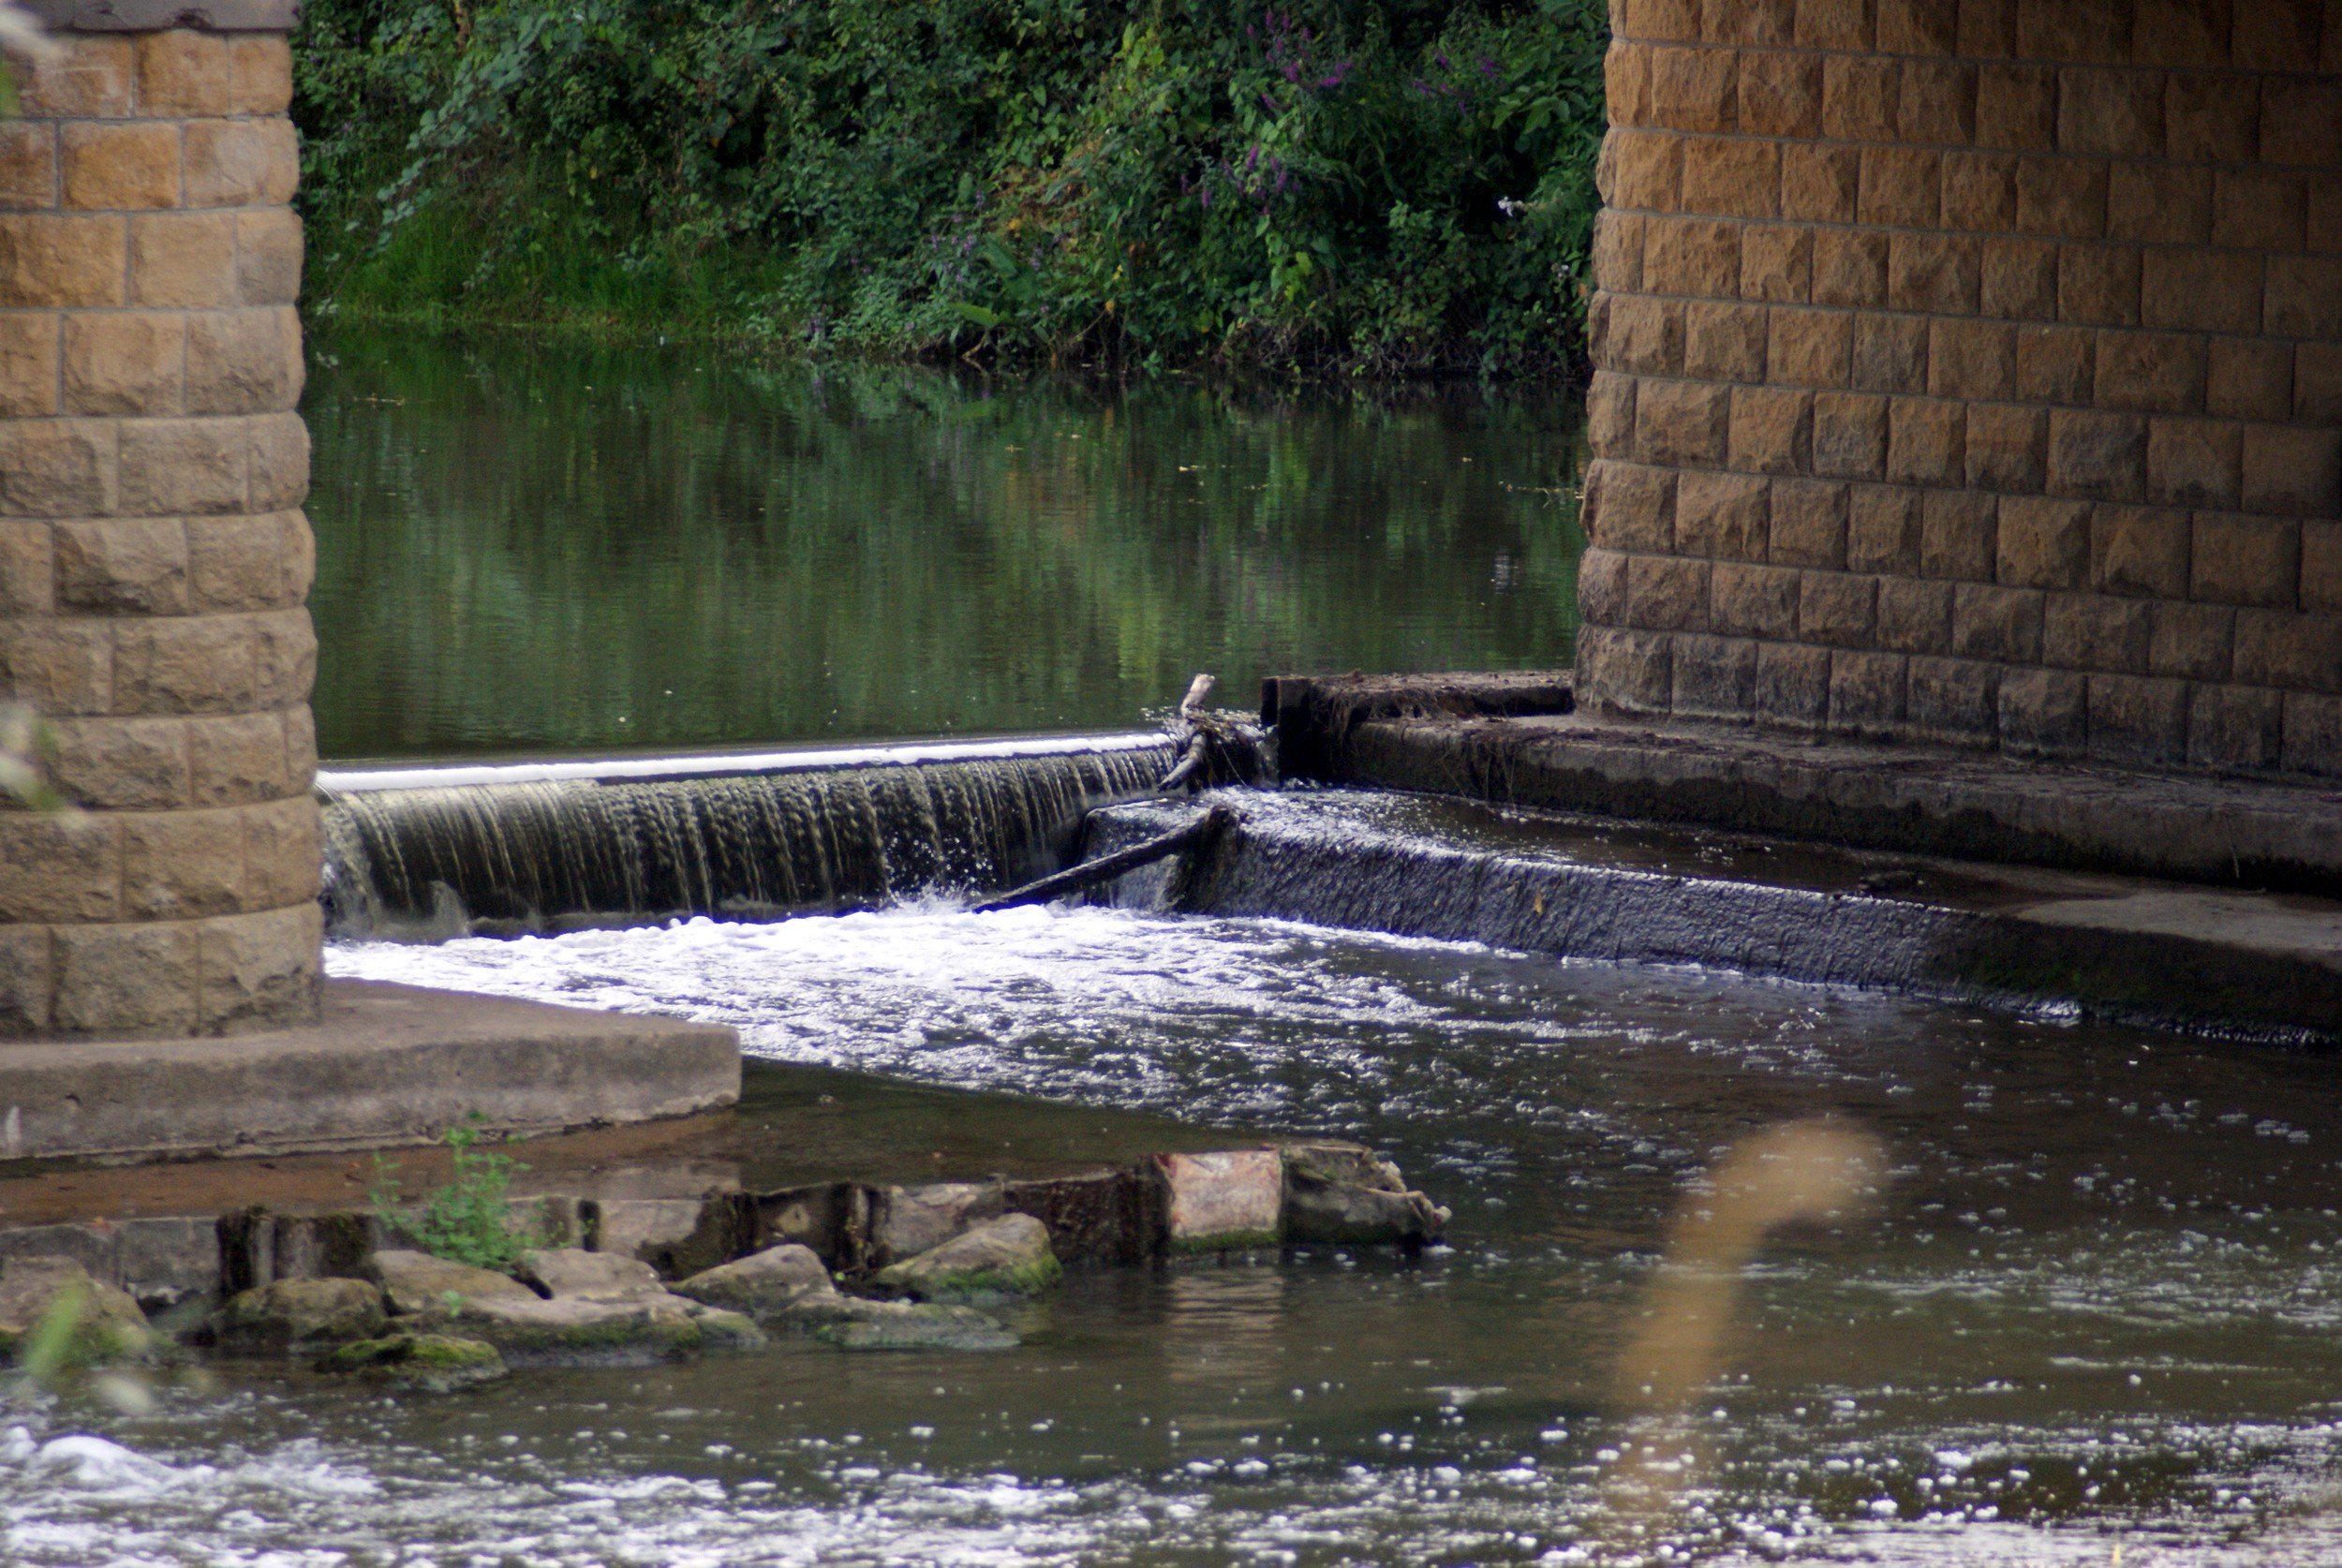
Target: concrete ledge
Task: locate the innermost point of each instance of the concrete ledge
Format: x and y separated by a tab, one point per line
1912	799
155	16
384	1065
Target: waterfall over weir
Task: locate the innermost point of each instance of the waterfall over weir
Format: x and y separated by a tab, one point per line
427	852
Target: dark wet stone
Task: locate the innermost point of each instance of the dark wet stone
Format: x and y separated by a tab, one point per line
1005	1257
855	1325
763	1285
427	1363
109	1326
299	1314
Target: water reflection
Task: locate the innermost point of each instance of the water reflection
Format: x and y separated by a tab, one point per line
531	545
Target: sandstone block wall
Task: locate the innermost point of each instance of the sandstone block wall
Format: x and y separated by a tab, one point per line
154	558
1971	370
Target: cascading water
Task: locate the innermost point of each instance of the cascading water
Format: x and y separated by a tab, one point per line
434	851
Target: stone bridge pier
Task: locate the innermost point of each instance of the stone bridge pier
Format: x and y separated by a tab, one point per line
1971	371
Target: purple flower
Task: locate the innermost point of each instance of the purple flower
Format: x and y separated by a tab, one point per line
1487	68
1442	60
1293	73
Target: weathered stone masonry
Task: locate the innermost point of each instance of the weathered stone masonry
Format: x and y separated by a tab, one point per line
1972	370
153	559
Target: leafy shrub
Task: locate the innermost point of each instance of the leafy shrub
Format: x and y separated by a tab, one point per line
468	1220
1391	188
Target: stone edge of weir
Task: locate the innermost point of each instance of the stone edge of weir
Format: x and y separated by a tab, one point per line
160	985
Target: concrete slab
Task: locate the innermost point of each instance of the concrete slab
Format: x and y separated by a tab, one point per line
384	1065
2242	833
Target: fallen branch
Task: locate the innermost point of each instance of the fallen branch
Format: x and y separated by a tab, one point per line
1195	835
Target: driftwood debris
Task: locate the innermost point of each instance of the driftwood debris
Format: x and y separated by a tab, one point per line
1196	835
1211	750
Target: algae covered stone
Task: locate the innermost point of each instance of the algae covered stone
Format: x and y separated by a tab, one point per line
431	1363
534	1329
1347	1195
1005	1257
721	1330
855	1325
290	1314
93	1322
762	1284
419	1284
567	1273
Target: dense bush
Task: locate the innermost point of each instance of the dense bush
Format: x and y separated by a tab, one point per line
1387	187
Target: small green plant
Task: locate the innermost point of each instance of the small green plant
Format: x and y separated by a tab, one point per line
468	1220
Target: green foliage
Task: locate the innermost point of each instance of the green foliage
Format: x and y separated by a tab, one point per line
469	1218
1389	188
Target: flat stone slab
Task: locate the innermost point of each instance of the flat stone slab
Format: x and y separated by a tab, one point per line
385	1065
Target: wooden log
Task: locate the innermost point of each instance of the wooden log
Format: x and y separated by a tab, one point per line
1089	873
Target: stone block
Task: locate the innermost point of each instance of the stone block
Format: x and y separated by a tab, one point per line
2318	383
259	73
1808	525
1752	601
1867	691
1642	170
2301	122
2097	456
1629	506
1699	257
1899	188
133	566
2190	290
57	467
2159	204
1626	83
2290	651
240	562
1849	267
2249	378
183	664
1724	341
1883	529
2054	364
1611	415
1819	183
2139	551
1638	334
2212	117
125	362
182	260
1731	176
1792	684
1914	615
241	163
182	864
1996	623
280	851
1779	93
1629	670
30	358
1721	516
1664	593
2239	559
1951	699
235	759
2092	631
2019	282
1682	423
2259	209
1857	99
1219	1201
2322	565
1974	359
2238	728
184	466
2150	371
280	461
59	668
115	166
2193	641
184	71
162	1261
2043	712
1715	677
89	77
2276	36
126	979
1959	535
1776	263
2313	734
59	867
1849	434
2061	199
1616	263
2005	446
1889	353
243	362
1837	608
61	259
1661	20
1980	192
284	657
2194	462
301	747
1808	348
1772	430
2291	470
1918	26
2135	719
136	763
1835	24
27	569
268	256
259	970
2098	286
27	979
1936	102
1926	442
2042	544
1942	273
2110	114
2016	106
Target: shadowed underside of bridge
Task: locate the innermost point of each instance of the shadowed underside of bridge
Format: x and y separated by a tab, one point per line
1971	371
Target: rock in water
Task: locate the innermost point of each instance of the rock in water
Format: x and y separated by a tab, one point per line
570	1273
855	1324
720	1330
417	1283
108	1324
765	1284
1342	1194
906	1221
430	1363
301	1314
659	1328
1005	1257
1224	1201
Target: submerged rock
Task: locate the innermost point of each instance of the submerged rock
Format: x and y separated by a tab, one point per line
853	1323
1223	1201
299	1314
528	1327
430	1363
906	1221
419	1284
721	1330
570	1273
1004	1257
765	1285
107	1325
1347	1195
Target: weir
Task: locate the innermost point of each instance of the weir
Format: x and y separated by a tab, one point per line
425	852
